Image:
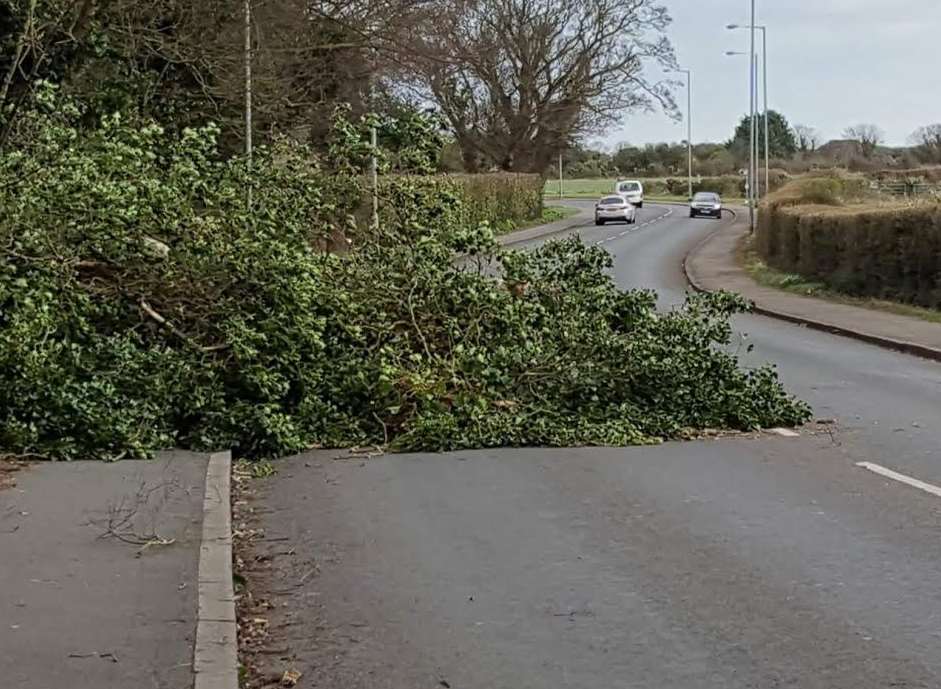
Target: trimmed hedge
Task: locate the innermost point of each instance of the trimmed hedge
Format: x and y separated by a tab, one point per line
726	185
500	201
886	252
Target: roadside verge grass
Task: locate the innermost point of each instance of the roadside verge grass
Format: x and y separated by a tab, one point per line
596	188
550	214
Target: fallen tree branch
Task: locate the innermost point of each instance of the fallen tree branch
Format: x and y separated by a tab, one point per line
155	316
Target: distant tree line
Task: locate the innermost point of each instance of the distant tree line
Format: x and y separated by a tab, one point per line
514	83
794	148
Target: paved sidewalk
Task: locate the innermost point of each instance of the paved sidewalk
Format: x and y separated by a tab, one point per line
85	603
713	266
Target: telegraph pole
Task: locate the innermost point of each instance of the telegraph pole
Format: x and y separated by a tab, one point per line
249	147
754	139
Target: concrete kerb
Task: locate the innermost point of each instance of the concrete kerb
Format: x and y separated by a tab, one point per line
215	658
532	233
885	342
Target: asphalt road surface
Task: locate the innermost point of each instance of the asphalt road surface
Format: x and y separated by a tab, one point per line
755	563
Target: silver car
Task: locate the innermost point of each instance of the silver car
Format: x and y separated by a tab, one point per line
615	207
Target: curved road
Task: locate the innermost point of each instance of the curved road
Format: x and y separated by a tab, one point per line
888	404
742	564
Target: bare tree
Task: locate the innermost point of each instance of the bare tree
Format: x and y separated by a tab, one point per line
37	37
808	138
519	80
927	143
183	61
869	137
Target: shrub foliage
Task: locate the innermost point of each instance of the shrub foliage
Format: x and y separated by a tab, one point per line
144	306
886	251
732	186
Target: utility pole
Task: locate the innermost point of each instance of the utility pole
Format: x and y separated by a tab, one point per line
756	153
764	82
753	163
561	194
249	147
749	175
373	140
689	127
374	173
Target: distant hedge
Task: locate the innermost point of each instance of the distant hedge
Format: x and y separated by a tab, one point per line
501	201
726	185
501	198
881	251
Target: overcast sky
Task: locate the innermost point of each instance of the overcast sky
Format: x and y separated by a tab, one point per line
831	63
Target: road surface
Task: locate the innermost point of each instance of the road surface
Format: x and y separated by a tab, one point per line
740	563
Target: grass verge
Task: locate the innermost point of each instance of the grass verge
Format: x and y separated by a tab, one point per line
550	214
596	188
794	283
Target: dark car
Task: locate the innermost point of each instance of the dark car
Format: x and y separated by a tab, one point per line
705	203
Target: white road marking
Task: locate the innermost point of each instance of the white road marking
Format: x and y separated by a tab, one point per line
634	229
784	432
901	478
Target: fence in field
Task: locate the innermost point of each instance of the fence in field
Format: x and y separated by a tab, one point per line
908	188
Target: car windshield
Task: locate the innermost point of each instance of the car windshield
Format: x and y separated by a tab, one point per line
612	201
706	197
629	186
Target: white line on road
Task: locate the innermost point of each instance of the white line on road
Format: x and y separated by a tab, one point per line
901	478
633	229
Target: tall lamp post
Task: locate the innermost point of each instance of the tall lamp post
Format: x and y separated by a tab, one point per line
764	82
689	124
249	146
753	192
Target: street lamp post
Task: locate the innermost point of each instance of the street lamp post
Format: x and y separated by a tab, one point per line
764	85
754	90
752	138
755	136
689	125
249	146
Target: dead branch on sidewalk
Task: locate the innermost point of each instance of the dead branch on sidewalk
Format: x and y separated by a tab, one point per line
132	519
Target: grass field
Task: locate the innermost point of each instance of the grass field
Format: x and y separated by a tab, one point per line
551	214
596	188
581	188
